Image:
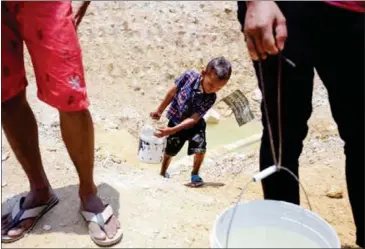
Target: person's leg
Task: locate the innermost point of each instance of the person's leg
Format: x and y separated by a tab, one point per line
16	112
78	134
174	144
23	140
198	147
340	65
165	164
296	105
61	84
198	160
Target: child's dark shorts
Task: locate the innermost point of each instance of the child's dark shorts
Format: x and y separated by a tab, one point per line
195	135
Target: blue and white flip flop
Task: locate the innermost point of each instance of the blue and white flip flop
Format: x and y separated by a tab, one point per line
196	181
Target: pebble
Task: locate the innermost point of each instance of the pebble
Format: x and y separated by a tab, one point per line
116	160
4	156
47	227
4	184
227	10
256	95
335	193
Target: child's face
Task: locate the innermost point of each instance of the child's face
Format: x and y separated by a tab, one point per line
211	83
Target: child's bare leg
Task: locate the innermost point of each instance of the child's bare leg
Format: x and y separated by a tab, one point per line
165	164
198	160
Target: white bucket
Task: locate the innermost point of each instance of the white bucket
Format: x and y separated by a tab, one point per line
151	148
272	224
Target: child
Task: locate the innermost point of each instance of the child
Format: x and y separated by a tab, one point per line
192	96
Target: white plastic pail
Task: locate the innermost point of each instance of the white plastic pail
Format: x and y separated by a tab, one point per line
151	148
272	224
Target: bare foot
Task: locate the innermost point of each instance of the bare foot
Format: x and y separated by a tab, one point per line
95	205
33	199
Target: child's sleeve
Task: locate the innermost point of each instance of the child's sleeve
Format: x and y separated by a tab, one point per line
180	82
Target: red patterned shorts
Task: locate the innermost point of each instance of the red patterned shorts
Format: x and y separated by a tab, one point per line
48	30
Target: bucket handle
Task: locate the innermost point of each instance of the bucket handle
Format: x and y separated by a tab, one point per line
257	178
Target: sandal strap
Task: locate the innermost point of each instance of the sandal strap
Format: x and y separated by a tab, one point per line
19	213
100	218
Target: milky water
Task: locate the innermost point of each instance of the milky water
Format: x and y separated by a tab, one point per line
268	237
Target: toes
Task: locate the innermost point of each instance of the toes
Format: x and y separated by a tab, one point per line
6	224
4	218
15	232
96	232
112	227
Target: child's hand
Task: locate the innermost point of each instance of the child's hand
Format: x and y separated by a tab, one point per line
155	115
163	132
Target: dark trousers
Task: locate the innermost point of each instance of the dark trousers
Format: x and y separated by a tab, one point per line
331	40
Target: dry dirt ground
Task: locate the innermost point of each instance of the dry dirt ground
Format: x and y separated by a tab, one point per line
132	51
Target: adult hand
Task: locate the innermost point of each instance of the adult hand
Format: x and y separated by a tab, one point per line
163	132
265	29
156	115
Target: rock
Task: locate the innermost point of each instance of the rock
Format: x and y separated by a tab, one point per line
335	193
137	88
227	10
47	227
116	159
5	156
256	95
55	124
212	117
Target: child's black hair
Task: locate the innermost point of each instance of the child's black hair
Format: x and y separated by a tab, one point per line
221	66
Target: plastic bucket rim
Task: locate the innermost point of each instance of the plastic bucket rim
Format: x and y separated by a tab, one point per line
214	239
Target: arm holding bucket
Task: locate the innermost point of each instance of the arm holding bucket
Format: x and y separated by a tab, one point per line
167	100
187	123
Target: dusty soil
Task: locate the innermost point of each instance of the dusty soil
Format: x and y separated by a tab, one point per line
132	52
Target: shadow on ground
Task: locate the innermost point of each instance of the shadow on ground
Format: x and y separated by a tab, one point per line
207	185
65	217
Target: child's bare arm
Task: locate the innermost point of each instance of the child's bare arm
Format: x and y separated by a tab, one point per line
187	123
167	100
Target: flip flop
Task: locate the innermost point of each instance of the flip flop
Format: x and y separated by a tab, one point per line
100	219
20	214
196	181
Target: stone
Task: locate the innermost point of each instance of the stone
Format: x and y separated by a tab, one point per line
256	95
47	227
227	10
116	160
212	117
335	193
4	156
